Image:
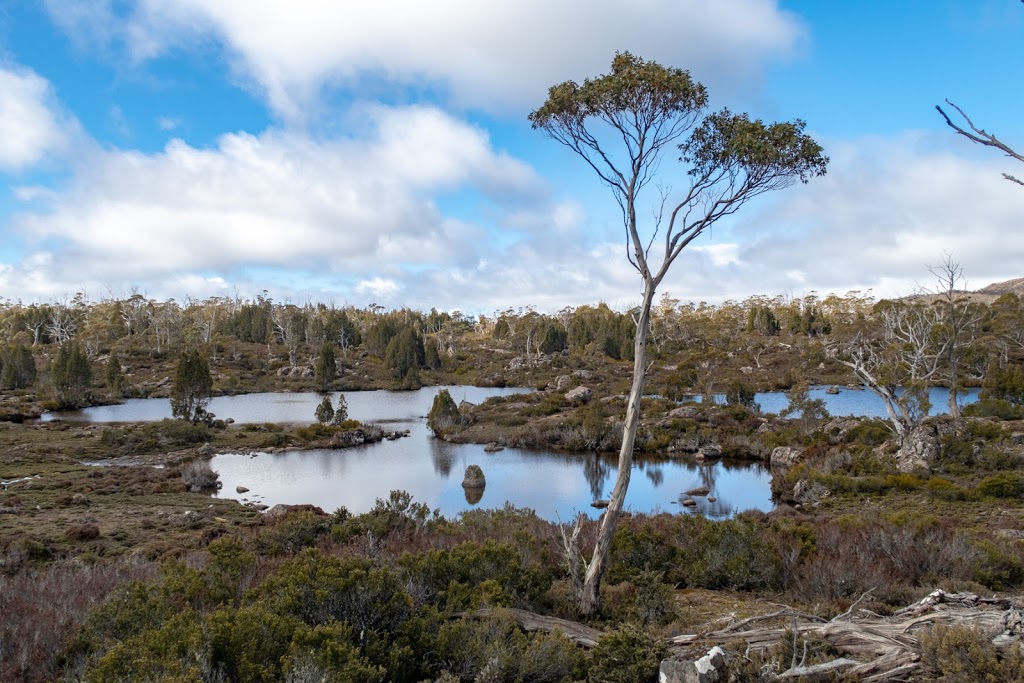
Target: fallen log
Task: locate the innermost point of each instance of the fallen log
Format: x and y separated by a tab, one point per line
873	648
530	621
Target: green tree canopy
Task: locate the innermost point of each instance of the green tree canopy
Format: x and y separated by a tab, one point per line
72	376
620	124
192	388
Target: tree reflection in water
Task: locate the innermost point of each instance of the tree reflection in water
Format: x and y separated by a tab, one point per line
596	471
441	455
706	478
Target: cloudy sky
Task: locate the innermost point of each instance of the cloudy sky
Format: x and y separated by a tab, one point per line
380	152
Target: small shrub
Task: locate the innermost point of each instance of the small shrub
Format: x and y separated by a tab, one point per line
995	408
83	532
944	489
199	476
961	653
444	415
1002	485
626	655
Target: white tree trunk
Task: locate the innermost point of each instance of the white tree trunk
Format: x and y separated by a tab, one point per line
588	600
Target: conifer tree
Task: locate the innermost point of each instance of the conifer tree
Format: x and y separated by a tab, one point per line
193	385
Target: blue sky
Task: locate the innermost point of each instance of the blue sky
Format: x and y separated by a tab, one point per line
356	154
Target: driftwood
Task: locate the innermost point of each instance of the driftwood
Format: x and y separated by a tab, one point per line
876	648
529	621
873	648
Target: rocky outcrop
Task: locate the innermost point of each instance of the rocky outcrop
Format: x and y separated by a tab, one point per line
785	457
474	478
920	447
687	412
839	428
807	492
579	395
297	371
708	669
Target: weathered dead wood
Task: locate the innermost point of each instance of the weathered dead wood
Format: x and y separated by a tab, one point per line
873	648
880	648
816	669
529	621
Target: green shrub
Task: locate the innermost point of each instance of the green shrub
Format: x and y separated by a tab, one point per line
444	415
1002	485
961	653
628	654
944	489
496	649
996	408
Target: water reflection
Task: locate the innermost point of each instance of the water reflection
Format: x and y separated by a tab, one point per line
656	475
595	471
707	480
441	457
548	482
474	494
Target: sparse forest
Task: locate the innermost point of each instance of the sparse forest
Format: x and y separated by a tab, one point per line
131	566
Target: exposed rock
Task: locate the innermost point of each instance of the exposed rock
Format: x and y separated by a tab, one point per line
281	510
689	502
920	447
687	412
296	371
1017	437
527	362
1012	534
79	499
474	477
807	492
583	374
708	669
563	382
206	449
765	428
785	456
839	428
832	390
241	489
746	369
699	491
580	394
710	450
493	447
8	511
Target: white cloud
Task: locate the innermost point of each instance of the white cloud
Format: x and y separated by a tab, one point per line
889	208
31	126
353	209
484	54
378	288
347	220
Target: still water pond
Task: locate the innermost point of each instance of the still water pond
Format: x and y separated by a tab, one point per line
554	484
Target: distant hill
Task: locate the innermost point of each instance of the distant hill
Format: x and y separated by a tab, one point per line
985	295
997	289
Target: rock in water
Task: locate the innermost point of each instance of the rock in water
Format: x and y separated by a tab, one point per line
474	478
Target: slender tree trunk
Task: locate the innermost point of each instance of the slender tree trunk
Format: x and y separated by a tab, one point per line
589	598
954	391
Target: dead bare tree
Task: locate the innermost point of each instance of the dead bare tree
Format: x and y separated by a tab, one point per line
981	136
